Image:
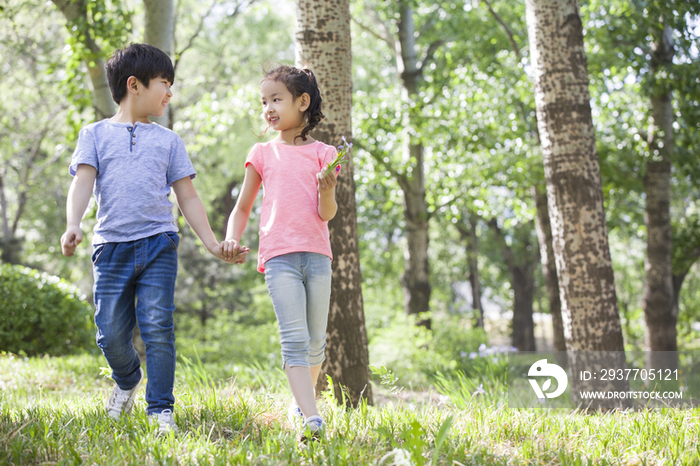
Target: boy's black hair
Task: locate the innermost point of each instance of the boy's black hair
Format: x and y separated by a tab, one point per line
143	61
300	81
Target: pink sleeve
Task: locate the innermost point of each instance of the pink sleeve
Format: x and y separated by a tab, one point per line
255	158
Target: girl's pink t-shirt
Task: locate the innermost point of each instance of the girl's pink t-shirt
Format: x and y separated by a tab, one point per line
290	220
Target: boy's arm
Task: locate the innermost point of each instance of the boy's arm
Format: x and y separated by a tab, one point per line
193	210
79	195
327	207
238	219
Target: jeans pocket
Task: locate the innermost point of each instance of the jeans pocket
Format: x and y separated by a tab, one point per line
97	252
174	240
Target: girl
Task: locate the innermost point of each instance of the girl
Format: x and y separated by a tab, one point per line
295	251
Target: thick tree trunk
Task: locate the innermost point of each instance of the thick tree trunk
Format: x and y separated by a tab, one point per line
159	31
658	287
549	268
323	42
467	230
575	198
75	10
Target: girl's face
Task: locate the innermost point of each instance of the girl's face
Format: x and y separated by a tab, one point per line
280	110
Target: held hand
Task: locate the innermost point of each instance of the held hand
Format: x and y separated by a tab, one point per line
70	240
232	252
326	183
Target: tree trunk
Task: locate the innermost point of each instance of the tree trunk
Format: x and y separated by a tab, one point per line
575	198
549	268
159	32
416	277
324	43
658	287
75	10
467	231
522	281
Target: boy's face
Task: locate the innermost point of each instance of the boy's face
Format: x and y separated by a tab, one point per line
153	100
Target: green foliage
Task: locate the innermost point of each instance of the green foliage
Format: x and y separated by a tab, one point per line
414	354
42	314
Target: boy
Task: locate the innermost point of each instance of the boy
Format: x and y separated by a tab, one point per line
132	164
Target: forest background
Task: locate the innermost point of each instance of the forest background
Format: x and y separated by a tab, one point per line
474	116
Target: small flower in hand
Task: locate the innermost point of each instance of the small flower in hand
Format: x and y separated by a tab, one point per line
340	159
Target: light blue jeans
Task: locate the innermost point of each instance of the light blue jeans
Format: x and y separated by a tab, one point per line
299	284
135	281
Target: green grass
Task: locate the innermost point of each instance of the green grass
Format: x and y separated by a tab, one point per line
51	412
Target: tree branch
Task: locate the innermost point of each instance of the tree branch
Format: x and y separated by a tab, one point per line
190	42
384	35
507	30
400	177
428	57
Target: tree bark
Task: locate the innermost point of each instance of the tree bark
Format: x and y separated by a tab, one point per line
658	288
324	43
159	32
574	194
102	101
549	268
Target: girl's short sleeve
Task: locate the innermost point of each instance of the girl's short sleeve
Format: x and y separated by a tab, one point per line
255	158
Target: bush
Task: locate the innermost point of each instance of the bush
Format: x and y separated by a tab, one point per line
42	314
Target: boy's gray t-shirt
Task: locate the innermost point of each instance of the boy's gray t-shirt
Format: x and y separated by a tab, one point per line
136	165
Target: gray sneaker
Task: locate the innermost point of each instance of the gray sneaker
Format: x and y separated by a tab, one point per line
165	420
121	401
313	429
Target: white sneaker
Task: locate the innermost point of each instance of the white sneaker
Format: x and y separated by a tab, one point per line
121	401
313	429
165	420
294	415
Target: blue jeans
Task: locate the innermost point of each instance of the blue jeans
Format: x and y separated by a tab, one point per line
135	281
300	287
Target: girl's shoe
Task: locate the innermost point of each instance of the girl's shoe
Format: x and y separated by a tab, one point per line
294	415
312	429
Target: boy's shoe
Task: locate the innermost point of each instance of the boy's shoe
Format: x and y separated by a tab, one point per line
313	429
294	414
121	401
165	420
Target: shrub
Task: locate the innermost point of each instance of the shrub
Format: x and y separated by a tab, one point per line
42	314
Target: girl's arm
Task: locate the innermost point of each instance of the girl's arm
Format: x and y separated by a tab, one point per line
238	219
327	207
